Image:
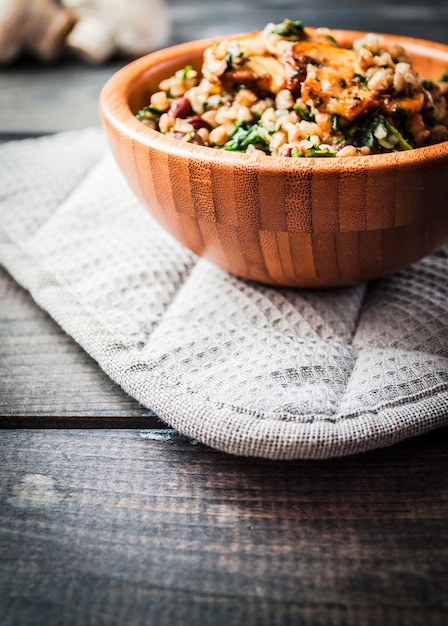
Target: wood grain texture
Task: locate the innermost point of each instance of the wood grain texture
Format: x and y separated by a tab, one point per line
118	527
44	375
396	202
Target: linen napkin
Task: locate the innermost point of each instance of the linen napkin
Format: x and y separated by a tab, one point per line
245	368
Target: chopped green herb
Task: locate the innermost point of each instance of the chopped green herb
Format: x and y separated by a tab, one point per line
304	112
400	140
148	112
245	135
229	60
331	39
289	28
234	54
444	77
400	113
314	151
334	123
185	72
213	102
317	151
360	78
317	100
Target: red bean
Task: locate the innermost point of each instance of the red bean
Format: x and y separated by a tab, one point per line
197	139
180	107
198	122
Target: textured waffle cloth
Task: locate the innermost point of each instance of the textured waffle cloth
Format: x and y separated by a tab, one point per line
242	367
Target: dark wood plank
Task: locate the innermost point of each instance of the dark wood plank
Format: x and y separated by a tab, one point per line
45	374
122	527
148	420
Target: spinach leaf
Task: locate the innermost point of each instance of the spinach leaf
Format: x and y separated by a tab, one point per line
289	28
246	134
316	151
148	112
378	134
304	112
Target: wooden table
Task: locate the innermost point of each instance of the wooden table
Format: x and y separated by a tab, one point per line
108	517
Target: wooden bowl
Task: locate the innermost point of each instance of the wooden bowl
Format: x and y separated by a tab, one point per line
307	222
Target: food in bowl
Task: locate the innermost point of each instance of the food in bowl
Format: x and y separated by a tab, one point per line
297	222
291	91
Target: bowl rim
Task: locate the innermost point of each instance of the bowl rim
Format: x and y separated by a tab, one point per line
115	110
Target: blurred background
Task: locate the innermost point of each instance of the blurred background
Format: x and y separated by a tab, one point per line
39	96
